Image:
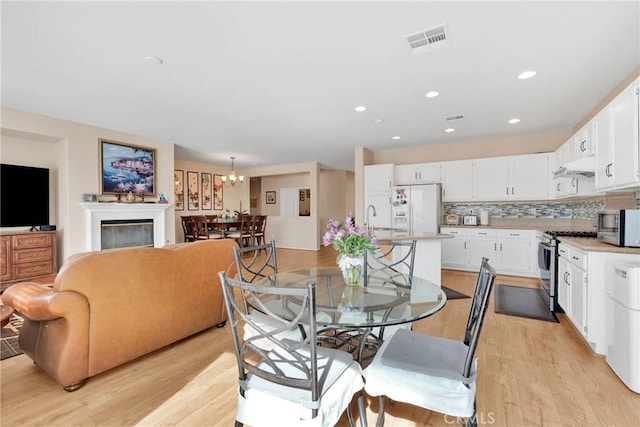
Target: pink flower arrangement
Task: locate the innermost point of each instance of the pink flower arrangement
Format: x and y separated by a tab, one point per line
348	238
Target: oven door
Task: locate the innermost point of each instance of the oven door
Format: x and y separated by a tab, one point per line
548	273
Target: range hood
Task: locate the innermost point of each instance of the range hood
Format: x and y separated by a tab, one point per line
582	167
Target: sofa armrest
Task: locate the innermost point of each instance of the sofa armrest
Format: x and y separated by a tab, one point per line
39	302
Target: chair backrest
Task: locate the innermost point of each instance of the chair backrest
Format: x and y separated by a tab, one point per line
391	259
202	231
486	277
188	227
289	363
252	264
261	223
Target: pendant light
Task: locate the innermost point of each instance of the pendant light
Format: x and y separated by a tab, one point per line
232	178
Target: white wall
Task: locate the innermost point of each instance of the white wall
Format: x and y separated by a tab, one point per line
74	154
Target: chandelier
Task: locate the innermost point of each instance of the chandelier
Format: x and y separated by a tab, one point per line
232	178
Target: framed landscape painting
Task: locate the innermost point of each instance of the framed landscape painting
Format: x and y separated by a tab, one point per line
125	167
192	189
178	181
217	192
206	191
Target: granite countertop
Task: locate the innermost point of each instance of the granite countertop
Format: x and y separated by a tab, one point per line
595	245
389	234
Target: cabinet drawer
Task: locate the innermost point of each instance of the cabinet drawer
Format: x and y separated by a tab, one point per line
482	233
24	271
32	255
454	231
514	234
578	258
25	241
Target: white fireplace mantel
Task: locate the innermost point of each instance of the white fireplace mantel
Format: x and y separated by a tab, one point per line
98	212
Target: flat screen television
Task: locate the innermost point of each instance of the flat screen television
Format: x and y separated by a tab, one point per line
24	196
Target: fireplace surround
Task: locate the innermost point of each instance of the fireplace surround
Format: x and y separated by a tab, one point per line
96	213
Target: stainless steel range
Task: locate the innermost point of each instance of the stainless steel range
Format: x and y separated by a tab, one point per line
548	263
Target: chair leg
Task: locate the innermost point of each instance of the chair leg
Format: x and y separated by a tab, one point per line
239	424
361	409
380	420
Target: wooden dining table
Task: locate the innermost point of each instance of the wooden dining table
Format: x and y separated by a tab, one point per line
224	225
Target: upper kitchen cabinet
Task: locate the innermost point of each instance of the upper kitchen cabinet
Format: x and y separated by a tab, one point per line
421	173
616	138
378	177
457	180
583	141
512	178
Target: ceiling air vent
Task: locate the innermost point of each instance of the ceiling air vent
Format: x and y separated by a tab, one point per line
454	117
428	39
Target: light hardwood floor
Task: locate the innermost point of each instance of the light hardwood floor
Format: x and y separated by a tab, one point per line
531	373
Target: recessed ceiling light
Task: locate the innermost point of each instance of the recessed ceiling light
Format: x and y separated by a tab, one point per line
154	60
361	108
432	94
526	75
395	137
514	120
449	130
378	121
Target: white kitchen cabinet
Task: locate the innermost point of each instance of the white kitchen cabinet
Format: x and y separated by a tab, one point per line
378	177
582	279
512	178
482	243
572	277
616	139
569	186
509	251
513	248
457	180
454	251
583	141
420	173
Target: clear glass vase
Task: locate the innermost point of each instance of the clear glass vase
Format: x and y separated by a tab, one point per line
351	267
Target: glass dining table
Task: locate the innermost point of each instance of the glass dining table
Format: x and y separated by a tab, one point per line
347	316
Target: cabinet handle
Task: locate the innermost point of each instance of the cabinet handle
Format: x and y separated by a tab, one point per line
495	247
465	245
574	182
583	146
575	258
507	190
512	192
500	247
483	234
558	187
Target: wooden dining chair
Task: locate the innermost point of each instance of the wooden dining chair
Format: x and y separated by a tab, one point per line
260	227
202	229
189	228
244	235
432	372
297	382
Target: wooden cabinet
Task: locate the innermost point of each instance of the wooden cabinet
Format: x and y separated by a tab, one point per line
511	178
457	180
615	134
27	255
378	177
420	173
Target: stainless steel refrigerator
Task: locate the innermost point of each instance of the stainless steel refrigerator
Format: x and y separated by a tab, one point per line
417	208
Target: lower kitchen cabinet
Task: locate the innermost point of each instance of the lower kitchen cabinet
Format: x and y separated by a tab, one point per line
509	251
582	279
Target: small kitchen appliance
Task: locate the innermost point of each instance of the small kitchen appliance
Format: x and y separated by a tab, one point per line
619	227
453	219
470	220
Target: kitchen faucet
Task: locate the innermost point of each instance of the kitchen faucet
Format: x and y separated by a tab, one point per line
367	224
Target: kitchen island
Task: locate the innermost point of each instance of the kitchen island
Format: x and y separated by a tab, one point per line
428	258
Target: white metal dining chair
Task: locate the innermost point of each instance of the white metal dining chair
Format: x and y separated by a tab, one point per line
296	383
432	372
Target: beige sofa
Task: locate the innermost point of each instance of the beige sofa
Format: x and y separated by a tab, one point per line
107	308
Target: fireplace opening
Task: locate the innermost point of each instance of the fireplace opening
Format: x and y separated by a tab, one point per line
125	233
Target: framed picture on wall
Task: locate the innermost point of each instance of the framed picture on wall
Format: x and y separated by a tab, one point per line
178	182
192	191
217	192
302	193
125	167
206	187
271	197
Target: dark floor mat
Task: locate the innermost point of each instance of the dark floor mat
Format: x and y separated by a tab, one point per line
522	302
451	294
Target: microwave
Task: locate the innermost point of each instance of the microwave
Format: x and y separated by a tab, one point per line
619	227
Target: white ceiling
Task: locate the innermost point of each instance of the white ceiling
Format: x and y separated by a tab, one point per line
277	82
